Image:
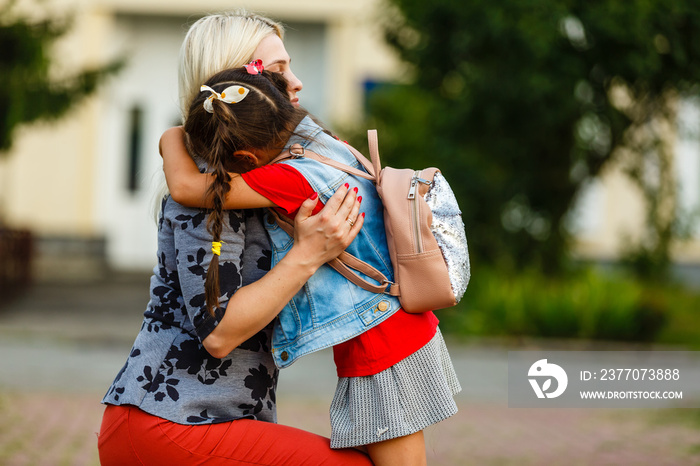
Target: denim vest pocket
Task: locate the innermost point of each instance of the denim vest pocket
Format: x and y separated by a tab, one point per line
280	240
288	324
376	309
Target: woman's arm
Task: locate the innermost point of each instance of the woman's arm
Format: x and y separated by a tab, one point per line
188	187
317	239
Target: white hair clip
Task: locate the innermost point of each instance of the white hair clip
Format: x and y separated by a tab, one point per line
230	95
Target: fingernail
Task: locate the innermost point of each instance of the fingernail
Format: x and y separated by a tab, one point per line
363	215
355	189
359	199
314	196
347	185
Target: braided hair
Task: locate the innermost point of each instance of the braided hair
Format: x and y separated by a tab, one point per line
263	119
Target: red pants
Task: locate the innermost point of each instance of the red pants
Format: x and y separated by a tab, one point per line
130	436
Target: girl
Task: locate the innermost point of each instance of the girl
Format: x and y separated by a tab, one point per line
395	374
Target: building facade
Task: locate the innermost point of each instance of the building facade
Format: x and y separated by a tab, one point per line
94	176
99	170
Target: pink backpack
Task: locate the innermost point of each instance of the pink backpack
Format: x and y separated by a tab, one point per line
424	229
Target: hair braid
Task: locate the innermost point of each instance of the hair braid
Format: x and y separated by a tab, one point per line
217	193
264	119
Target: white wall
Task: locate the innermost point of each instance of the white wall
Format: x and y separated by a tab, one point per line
149	82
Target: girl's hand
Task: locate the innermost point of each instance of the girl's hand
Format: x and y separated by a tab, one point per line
172	136
186	185
322	237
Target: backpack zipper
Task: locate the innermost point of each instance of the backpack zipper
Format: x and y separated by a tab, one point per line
412	197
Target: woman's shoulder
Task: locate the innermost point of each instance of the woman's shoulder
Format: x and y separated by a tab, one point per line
195	218
171	208
177	219
188	227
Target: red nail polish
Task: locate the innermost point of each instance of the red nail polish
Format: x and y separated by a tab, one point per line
354	189
347	185
363	215
359	199
314	196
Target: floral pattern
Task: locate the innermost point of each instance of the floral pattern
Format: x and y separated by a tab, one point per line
262	384
168	372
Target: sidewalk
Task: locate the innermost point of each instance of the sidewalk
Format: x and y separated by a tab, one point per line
62	343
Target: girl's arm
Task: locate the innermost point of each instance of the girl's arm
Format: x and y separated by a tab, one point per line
188	186
317	239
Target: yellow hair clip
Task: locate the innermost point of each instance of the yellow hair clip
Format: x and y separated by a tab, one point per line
216	247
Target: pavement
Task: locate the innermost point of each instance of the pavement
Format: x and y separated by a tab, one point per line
63	341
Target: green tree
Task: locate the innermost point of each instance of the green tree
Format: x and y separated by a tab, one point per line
28	90
521	102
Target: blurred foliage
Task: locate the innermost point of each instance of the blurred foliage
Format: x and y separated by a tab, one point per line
584	305
28	90
522	102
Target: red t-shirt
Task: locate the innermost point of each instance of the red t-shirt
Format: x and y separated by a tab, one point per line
383	345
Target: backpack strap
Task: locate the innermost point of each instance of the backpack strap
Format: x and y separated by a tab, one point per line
374	150
373	168
297	151
345	263
363	161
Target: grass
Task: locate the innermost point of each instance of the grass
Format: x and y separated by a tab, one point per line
588	305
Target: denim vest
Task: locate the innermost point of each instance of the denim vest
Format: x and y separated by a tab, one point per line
329	309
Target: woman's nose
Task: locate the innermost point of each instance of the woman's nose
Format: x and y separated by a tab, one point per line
295	85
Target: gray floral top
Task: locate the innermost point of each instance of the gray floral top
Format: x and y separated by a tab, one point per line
168	372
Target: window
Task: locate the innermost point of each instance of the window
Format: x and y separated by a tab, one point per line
134	148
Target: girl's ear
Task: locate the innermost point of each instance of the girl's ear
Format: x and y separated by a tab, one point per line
247	158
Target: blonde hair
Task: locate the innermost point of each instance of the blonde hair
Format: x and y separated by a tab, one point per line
218	42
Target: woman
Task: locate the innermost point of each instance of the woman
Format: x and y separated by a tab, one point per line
183	397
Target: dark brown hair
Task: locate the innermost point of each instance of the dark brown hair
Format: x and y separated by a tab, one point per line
264	119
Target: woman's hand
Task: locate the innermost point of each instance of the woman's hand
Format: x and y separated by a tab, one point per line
322	237
317	239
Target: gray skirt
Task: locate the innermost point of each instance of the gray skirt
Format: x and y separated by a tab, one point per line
401	400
